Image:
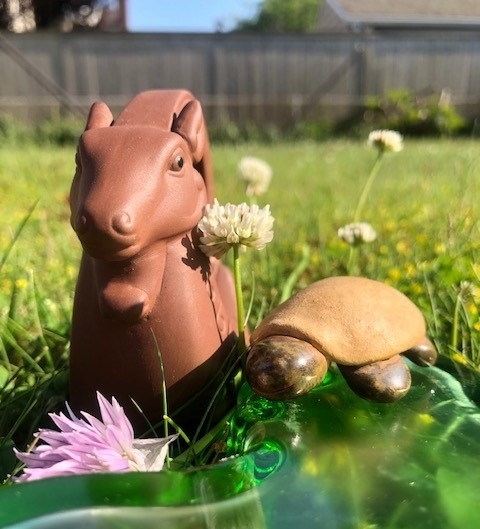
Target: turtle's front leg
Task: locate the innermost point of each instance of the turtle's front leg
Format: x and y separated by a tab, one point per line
423	354
381	381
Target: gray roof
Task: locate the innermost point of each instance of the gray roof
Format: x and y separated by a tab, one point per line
407	12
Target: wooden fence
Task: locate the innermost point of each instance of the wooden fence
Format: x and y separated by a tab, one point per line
238	77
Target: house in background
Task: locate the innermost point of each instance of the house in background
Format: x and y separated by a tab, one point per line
371	16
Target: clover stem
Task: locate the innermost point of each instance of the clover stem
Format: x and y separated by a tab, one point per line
239	296
351	265
367	187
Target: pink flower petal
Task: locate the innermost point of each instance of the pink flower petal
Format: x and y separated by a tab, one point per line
87	444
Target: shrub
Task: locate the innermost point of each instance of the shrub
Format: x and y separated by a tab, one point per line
59	131
234	133
317	130
403	111
13	131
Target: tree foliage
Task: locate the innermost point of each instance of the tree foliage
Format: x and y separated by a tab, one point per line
283	15
27	15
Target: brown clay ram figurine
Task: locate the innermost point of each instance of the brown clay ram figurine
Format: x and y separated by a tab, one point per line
360	324
144	288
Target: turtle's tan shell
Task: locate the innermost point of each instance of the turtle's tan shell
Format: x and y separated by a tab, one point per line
351	320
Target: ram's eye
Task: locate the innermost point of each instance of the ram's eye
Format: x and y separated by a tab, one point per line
177	163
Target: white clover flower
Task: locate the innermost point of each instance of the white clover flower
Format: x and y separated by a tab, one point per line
357	233
229	225
386	140
466	289
256	173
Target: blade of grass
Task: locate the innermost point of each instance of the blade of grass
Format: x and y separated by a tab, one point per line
24	355
46	349
4	356
184	459
292	279
164	393
16	234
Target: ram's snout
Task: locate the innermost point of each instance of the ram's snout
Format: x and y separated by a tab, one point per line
111	237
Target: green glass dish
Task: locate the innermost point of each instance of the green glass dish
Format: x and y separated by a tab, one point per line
328	459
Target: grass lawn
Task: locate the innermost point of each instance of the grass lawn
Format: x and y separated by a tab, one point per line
423	206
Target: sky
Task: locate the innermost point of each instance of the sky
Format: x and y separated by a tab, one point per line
203	16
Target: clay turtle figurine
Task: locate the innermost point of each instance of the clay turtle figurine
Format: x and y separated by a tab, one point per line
360	324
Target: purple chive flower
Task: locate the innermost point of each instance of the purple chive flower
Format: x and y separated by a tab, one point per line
86	445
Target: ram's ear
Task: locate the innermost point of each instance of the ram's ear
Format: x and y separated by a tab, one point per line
99	116
191	126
